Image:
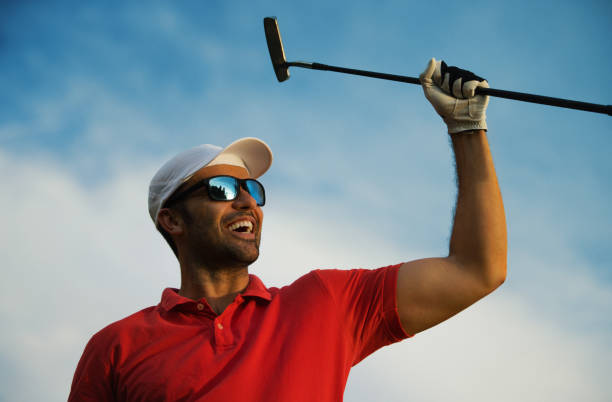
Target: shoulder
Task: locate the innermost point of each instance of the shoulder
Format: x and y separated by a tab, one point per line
338	279
122	330
308	283
315	280
130	322
330	282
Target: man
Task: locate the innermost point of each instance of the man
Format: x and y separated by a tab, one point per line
224	336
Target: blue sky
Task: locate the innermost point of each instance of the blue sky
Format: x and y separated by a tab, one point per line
95	97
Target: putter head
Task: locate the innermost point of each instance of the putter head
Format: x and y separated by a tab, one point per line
275	47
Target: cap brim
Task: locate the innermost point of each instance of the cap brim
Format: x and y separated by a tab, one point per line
255	154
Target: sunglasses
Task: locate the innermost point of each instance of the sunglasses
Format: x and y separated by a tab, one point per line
224	188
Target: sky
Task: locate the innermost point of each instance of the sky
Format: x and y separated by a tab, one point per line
96	96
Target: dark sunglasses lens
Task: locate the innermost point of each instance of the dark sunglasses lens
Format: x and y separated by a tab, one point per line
257	191
223	188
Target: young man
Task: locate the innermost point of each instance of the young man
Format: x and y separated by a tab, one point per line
224	336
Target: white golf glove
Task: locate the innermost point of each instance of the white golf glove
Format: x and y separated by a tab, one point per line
451	91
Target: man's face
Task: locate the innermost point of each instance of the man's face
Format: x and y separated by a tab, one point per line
221	234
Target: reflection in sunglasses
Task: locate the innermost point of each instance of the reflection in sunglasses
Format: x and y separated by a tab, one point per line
219	193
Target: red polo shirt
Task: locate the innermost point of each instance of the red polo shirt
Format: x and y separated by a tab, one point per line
295	343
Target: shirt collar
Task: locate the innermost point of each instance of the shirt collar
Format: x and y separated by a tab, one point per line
171	299
256	288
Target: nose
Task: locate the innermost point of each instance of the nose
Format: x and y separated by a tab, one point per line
244	201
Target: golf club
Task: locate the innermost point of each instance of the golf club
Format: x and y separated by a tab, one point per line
281	69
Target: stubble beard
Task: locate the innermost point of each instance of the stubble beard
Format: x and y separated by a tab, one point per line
243	254
222	254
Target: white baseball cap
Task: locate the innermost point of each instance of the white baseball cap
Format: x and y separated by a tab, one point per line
250	153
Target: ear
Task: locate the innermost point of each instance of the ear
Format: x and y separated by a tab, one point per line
171	221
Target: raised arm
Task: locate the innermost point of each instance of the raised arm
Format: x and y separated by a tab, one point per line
432	290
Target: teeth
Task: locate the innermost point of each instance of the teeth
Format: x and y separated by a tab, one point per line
246	224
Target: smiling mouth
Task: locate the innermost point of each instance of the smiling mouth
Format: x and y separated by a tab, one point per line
241	227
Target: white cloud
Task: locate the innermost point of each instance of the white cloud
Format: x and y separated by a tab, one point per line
500	349
77	257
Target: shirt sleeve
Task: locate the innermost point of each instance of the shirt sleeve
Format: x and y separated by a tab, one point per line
93	376
366	304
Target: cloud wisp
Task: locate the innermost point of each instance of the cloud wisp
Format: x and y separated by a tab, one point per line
80	257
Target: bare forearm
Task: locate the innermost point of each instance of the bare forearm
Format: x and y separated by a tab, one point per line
478	241
432	290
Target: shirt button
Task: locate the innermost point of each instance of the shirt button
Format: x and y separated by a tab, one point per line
200	306
219	325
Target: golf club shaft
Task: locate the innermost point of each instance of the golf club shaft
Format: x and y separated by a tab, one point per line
499	93
373	74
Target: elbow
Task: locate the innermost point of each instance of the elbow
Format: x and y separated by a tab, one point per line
497	282
488	274
495	275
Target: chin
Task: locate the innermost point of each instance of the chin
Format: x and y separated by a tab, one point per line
245	256
250	258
